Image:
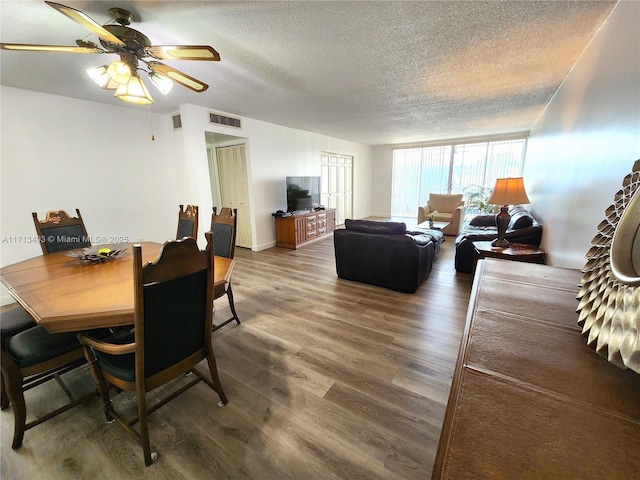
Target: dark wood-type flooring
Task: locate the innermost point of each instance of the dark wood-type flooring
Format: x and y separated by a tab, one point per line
326	379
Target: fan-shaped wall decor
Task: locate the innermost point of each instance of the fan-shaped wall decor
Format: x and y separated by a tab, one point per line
609	296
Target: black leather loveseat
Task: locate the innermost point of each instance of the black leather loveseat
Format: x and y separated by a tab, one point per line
523	228
385	254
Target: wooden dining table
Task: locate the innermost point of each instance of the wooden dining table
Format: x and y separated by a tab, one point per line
66	294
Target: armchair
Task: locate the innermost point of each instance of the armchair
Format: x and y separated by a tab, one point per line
448	208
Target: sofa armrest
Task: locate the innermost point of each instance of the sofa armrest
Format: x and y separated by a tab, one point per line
457	219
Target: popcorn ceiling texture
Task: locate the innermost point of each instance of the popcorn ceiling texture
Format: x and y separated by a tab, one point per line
370	72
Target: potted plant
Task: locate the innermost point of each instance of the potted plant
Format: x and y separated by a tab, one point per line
432	218
476	199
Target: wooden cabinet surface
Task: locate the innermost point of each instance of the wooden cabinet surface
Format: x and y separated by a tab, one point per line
297	230
530	398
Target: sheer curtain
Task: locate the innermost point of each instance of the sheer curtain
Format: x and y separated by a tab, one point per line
419	171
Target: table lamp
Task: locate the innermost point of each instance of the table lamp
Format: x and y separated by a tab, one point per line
507	191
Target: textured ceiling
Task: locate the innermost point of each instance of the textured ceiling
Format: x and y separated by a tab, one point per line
371	72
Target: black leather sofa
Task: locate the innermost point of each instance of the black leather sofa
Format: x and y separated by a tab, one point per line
523	228
385	254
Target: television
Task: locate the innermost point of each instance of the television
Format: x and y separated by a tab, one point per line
303	193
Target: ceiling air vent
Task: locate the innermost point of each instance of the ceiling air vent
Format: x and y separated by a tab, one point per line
223	120
177	121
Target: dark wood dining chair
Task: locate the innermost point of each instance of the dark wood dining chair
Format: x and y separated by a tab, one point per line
12	322
30	358
173	300
187	222
59	231
224	227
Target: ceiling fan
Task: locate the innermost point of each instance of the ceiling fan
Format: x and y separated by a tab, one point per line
133	48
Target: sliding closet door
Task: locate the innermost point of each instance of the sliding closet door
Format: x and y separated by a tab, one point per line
234	188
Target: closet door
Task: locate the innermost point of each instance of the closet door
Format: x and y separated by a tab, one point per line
337	184
234	188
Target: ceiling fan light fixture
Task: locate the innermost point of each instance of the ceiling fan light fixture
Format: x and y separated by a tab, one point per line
102	78
162	82
134	91
120	72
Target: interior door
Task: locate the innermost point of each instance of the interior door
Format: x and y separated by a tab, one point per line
337	184
234	188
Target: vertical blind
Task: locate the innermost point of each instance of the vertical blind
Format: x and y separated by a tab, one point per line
417	172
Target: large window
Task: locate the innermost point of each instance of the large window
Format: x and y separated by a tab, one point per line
453	168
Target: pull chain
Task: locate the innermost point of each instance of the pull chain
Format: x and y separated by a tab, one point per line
153	137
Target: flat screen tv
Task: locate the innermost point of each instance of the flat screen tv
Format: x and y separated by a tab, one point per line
303	193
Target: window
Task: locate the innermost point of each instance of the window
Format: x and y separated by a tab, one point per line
452	168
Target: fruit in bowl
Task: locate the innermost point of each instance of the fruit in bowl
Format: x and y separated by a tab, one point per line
104	251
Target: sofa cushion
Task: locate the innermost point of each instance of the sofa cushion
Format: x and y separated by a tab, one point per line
371	226
444	202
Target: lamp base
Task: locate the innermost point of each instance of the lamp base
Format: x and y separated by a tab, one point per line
502	222
500	243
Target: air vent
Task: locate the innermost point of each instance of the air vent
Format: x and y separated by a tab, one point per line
223	120
177	122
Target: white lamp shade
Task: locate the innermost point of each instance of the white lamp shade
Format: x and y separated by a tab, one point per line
102	78
119	72
162	82
134	91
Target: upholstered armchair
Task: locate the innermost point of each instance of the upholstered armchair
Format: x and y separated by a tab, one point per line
448	208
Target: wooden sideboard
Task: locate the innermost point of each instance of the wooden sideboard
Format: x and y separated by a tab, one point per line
300	229
530	399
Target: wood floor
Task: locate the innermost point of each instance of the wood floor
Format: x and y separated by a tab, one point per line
326	379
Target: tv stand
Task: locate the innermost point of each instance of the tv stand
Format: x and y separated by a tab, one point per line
302	228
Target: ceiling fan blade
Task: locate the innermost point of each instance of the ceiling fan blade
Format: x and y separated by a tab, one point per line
183	52
79	17
49	48
177	76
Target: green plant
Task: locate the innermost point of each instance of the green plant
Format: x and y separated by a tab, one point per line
476	199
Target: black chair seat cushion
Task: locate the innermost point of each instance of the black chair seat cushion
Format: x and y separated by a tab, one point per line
37	345
13	322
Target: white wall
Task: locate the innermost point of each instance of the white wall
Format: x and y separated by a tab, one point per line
587	139
273	153
62	153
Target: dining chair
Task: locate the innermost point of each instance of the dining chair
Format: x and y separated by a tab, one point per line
224	227
59	232
187	222
30	358
12	322
172	333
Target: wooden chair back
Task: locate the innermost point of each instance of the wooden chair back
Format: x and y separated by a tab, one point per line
224	227
59	231
173	299
187	222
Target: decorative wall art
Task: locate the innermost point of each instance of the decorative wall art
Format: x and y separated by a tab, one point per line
609	296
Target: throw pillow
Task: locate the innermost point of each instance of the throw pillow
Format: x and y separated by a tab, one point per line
520	220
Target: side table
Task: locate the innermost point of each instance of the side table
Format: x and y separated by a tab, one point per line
519	252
